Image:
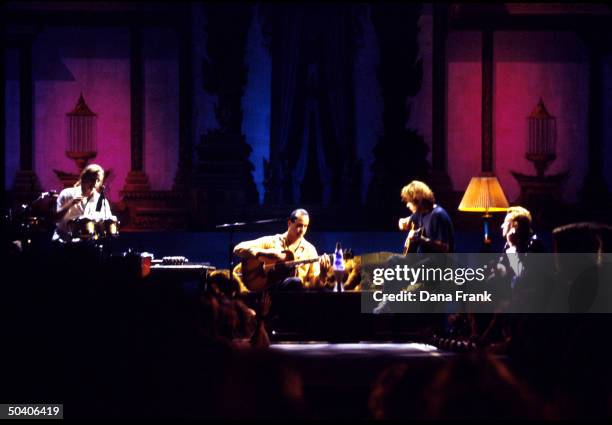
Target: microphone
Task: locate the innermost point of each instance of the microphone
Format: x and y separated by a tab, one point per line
100	200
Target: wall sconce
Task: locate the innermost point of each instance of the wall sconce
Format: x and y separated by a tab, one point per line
81	124
81	143
541	138
485	195
541	194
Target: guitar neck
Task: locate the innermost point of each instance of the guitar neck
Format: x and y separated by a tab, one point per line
312	260
299	262
293	263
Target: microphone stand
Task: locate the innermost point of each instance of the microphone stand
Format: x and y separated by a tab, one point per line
101	200
232	227
105	244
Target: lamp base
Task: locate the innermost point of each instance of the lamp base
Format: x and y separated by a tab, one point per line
487	243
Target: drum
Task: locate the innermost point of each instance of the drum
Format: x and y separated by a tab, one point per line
44	206
82	227
107	228
40	213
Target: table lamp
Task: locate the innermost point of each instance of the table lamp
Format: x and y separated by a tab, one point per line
485	195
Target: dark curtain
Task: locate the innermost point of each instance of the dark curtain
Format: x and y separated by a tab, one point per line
286	56
314	101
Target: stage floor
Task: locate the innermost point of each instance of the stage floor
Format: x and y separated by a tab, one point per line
316	349
338	378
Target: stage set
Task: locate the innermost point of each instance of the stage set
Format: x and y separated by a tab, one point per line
204	203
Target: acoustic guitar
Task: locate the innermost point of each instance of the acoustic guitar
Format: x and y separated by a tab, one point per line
409	246
258	274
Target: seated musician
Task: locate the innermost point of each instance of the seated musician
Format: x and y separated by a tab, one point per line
517	280
516	265
431	229
290	245
81	201
518	233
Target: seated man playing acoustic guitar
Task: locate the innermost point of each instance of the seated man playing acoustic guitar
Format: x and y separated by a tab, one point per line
281	249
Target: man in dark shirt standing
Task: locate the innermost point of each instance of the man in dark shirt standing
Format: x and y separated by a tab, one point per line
430	227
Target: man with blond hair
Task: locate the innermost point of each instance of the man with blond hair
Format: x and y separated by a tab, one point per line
520	239
517	231
520	279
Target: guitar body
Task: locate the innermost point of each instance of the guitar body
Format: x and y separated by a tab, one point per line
409	246
258	274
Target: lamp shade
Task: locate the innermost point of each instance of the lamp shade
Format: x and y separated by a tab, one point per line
484	194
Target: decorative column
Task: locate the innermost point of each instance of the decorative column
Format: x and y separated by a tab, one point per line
440	180
223	174
136	191
137	180
182	180
26	186
487	101
143	208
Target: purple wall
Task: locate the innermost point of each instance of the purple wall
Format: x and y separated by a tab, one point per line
553	66
464	94
527	66
94	61
161	106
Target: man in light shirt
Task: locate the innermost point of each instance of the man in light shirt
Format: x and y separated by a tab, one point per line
81	201
276	248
